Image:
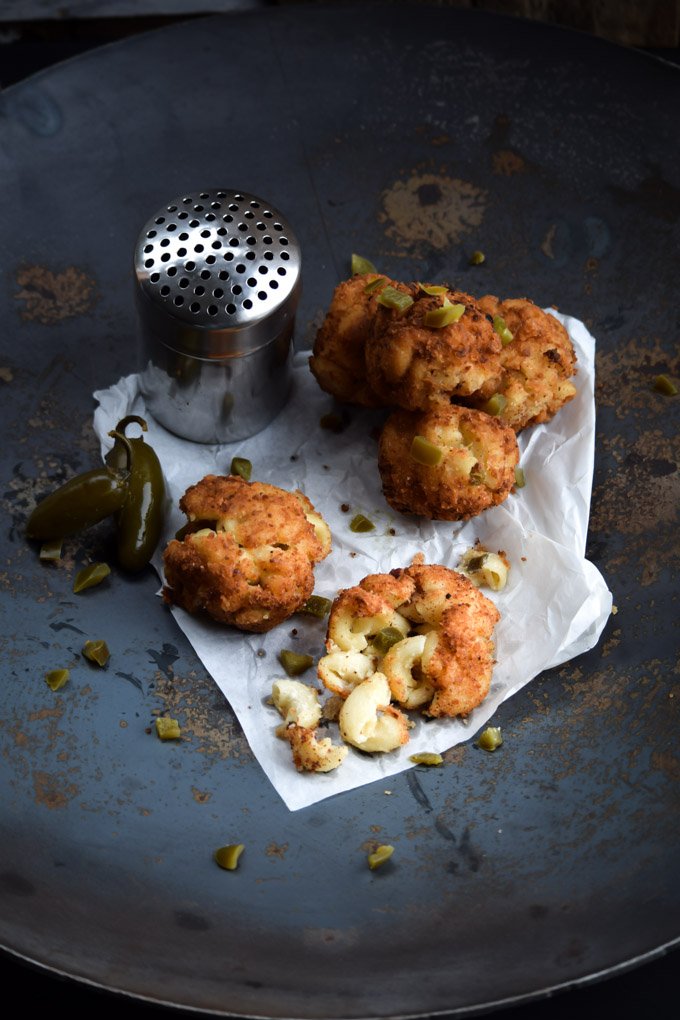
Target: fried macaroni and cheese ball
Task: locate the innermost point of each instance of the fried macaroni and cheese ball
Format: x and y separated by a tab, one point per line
425	629
449	463
338	359
428	355
537	361
246	557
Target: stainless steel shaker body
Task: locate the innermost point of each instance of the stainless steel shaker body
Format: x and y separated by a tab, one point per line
218	284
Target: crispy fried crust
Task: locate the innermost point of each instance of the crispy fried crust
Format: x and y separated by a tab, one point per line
446	674
415	367
252	564
477	469
537	364
338	361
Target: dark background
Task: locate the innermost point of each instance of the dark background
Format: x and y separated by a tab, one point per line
36	35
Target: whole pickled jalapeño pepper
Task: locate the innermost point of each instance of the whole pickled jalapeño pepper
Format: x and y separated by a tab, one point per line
78	504
139	520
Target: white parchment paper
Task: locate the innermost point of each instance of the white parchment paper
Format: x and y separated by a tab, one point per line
553	608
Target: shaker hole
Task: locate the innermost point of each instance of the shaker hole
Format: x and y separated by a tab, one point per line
181	252
148	247
250	255
210	259
281	271
194	307
205	274
165	257
148	262
160	219
209	216
193	223
227	218
252	282
216	244
234	242
165	290
205	233
262	294
218	292
224	275
267	239
189	266
165	242
263	269
172	208
283	240
151	233
278	226
255	205
172	270
222	231
236	289
155	277
171	226
247	303
179	300
269	255
182	215
212	309
199	291
284	255
230	309
184	282
251	240
228	256
240	268
268	214
198	247
274	284
183	236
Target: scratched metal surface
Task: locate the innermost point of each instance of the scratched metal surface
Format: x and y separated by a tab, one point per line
413	137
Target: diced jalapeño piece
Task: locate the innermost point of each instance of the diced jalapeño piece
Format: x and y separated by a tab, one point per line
56	678
501	328
390	297
294	663
96	651
88	577
437	318
490	738
227	856
360	523
361	266
242	467
387	637
425	452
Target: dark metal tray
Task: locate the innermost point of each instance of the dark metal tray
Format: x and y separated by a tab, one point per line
411	135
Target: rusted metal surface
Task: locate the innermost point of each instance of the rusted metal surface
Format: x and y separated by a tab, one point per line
414	140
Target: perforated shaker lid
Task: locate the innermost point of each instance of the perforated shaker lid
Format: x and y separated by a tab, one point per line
218	273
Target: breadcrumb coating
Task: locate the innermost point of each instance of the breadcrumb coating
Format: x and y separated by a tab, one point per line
537	364
311	754
476	469
338	359
442	663
415	366
250	560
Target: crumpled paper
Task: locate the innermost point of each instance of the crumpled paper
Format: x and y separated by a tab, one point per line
553	607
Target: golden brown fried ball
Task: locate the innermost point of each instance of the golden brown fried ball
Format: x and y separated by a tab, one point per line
248	555
441	656
476	471
416	366
338	361
537	364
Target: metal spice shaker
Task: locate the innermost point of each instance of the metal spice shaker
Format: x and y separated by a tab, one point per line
218	283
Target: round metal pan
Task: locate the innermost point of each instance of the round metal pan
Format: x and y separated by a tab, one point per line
414	136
